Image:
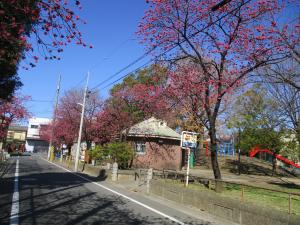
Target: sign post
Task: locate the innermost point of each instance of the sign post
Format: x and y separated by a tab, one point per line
188	167
188	141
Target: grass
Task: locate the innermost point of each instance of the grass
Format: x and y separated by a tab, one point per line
256	196
263	198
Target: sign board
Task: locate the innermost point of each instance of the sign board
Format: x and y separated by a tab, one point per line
188	139
83	146
82	155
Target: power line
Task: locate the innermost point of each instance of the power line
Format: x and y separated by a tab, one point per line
107	57
126	67
81	81
168	50
37	100
112	52
148	62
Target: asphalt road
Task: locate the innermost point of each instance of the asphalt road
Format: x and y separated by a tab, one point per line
50	195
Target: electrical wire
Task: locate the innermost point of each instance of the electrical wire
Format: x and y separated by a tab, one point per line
163	53
37	100
114	51
108	56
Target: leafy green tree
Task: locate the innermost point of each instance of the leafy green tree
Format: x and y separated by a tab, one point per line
291	148
286	92
256	118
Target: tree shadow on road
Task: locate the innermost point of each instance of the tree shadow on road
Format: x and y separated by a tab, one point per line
64	199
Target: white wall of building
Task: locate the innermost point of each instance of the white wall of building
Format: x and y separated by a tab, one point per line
34	126
33	139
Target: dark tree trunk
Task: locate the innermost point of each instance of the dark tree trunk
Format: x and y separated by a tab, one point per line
214	162
273	164
69	147
298	132
131	162
213	152
88	145
3	140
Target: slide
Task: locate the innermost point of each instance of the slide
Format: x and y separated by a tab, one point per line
256	150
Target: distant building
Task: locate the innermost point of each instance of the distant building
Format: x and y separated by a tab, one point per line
16	133
34	142
16	136
225	146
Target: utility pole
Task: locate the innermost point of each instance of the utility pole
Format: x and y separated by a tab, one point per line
81	124
54	115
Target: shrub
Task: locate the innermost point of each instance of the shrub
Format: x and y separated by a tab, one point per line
120	152
98	153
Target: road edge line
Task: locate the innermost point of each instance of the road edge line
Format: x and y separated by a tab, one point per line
120	194
14	214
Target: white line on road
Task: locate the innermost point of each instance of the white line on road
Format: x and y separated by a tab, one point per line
14	214
120	194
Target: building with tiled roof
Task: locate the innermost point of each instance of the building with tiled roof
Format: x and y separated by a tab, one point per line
156	145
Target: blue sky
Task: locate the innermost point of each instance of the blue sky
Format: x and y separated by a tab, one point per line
110	29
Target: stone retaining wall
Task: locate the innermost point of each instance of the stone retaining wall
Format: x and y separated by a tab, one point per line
230	209
243	213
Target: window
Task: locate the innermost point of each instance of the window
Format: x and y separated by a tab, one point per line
34	126
140	147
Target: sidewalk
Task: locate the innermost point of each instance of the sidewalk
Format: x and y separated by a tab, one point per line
139	190
189	210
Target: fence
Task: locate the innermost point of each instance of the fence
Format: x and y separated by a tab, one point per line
284	200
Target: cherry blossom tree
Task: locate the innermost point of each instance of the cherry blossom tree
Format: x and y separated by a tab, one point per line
145	97
49	25
224	46
288	34
66	125
139	96
111	121
12	112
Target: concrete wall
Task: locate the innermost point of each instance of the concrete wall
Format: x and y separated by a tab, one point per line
94	171
233	210
103	174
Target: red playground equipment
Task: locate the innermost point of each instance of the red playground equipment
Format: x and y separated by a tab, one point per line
256	150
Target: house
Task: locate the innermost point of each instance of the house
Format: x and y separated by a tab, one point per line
15	139
33	139
156	145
